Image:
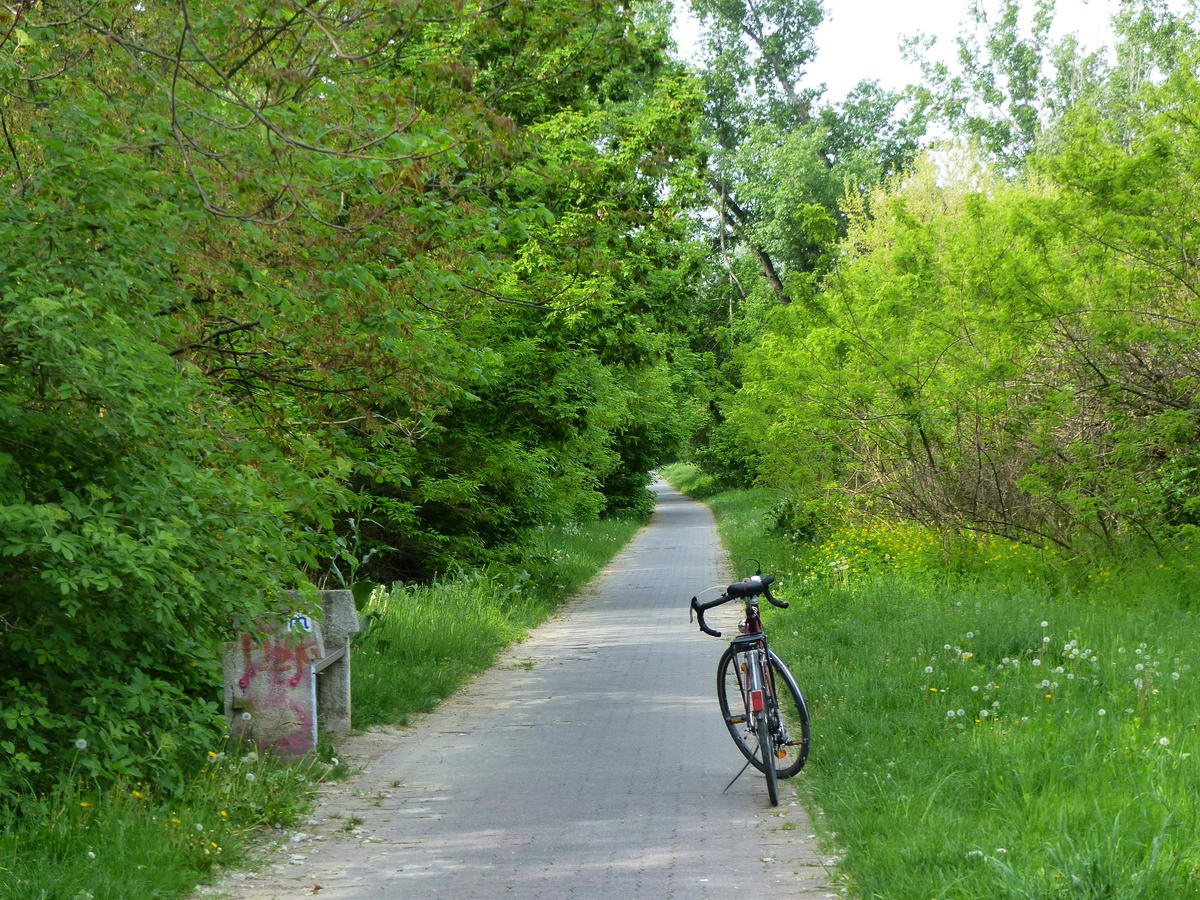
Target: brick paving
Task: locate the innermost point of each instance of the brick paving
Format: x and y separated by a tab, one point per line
588	763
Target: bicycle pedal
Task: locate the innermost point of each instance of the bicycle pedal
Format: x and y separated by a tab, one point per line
736	720
780	753
797	743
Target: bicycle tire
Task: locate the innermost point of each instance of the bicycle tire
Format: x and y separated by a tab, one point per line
795	719
766	745
732	699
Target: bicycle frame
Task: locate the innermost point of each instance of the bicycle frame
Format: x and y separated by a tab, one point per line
758	688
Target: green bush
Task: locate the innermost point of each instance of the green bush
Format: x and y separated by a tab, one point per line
140	516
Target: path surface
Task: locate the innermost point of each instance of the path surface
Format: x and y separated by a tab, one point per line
588	763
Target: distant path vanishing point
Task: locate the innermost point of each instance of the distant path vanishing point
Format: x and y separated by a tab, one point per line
588	762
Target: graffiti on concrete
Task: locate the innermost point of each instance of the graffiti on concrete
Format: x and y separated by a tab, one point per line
278	687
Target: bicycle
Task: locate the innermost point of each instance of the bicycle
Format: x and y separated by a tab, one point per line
749	676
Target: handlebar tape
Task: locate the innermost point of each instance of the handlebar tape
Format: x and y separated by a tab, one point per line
750	588
699	609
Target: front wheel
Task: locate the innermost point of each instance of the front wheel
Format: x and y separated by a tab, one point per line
789	723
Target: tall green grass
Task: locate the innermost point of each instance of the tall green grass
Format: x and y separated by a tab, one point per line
1001	725
132	841
424	641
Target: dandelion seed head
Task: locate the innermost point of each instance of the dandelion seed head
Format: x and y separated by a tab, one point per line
1035	662
80	744
1045	624
928	670
1102	712
250	776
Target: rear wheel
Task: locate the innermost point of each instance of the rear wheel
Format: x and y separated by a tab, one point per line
731	694
765	743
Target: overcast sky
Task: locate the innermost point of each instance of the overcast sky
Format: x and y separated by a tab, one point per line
860	39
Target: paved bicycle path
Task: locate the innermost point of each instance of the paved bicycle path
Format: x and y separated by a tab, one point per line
588	763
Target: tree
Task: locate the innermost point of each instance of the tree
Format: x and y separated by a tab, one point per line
291	271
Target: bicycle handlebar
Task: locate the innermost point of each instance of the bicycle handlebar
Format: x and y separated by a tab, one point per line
750	587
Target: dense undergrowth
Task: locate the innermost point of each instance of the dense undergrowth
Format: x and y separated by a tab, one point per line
84	840
987	722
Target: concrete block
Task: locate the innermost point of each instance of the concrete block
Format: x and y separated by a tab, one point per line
271	687
292	676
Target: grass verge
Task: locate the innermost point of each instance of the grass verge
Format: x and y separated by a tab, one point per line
128	841
81	842
988	723
426	640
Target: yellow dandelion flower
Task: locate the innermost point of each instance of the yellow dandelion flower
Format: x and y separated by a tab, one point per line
85	802
223	814
1048	696
137	794
176	821
212	754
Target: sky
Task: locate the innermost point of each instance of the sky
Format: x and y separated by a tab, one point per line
860	39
